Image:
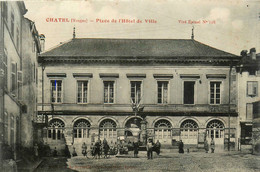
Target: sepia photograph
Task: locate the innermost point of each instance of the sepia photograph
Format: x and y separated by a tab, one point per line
129	85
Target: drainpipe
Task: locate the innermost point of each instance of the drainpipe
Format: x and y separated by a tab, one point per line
229	100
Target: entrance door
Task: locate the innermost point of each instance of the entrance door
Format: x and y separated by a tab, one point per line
81	132
215	129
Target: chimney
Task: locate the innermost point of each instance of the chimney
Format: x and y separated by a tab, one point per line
243	53
42	42
253	53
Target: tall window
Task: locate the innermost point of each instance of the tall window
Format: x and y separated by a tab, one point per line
215	129
215	92
56	91
189	129
249	111
162	129
162	92
20	84
136	91
107	129
82	91
5	10
108	91
189	92
12	24
14	79
81	128
12	129
4	67
55	129
17	38
252	89
6	127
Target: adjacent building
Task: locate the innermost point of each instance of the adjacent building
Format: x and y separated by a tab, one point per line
248	78
122	89
18	38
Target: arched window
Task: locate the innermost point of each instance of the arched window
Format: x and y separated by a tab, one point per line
55	129
215	129
189	129
107	129
81	128
162	129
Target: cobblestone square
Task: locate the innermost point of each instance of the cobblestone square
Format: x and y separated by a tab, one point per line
199	161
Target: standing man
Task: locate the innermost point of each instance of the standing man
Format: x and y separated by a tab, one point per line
206	145
158	147
181	145
84	149
212	145
136	148
149	148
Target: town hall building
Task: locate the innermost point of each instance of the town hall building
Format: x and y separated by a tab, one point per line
126	89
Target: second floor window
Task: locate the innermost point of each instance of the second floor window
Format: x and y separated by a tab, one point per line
56	91
162	91
189	92
108	91
215	92
252	88
82	91
136	91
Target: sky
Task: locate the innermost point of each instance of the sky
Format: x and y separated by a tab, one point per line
228	25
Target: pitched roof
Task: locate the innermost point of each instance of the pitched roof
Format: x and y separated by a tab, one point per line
83	47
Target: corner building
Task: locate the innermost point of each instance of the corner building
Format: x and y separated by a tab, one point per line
183	85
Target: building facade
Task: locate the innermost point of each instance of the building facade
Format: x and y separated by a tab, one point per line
15	116
91	88
248	78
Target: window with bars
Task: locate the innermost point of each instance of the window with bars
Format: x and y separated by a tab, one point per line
82	92
252	88
14	78
162	92
56	91
215	92
108	91
81	129
12	24
136	91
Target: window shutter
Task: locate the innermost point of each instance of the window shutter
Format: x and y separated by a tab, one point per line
20	84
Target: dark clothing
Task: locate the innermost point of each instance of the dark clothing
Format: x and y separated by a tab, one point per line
84	149
181	145
136	148
106	149
158	148
149	148
97	149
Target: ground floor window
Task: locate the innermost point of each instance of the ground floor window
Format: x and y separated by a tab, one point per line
162	129
81	128
189	129
107	129
215	129
55	129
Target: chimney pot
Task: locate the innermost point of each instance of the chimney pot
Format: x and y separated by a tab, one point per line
253	53
42	42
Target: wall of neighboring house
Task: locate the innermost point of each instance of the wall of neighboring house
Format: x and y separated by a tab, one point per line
29	88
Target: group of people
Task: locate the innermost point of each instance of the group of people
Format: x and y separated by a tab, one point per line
206	146
150	147
96	149
211	146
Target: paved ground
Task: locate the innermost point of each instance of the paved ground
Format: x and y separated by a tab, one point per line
199	161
